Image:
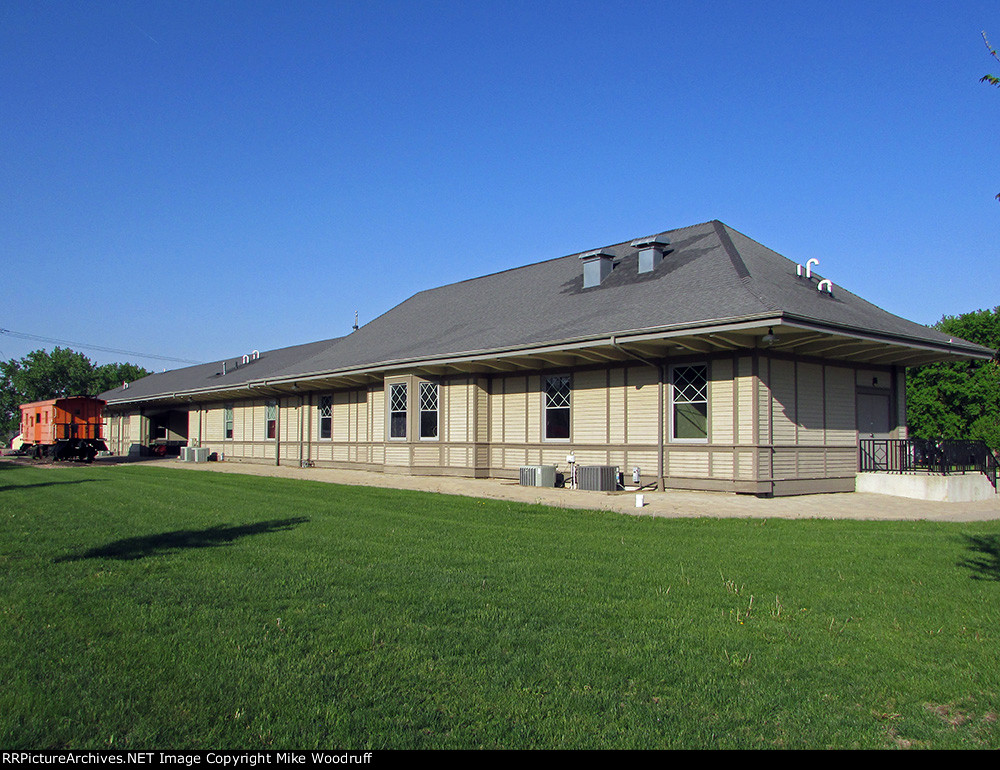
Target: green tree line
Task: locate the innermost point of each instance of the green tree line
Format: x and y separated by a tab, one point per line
41	375
959	400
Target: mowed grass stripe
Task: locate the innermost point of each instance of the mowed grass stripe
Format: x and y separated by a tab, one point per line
149	607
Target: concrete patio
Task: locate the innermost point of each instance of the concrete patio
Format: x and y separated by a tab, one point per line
669	503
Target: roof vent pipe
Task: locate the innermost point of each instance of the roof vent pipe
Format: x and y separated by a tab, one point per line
597	265
650	252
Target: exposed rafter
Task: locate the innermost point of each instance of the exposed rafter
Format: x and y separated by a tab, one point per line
839	345
595	355
646	349
732	340
797	342
692	346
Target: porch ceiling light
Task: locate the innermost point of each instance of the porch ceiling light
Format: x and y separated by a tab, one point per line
769	339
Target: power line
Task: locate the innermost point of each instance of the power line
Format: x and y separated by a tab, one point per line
85	346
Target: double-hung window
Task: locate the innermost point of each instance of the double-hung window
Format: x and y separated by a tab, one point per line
271	419
227	420
397	410
326	417
689	403
429	400
557	401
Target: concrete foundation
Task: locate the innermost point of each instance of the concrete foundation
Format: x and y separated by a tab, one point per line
961	488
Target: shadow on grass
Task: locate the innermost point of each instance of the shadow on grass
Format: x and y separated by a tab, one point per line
10	487
170	542
984	563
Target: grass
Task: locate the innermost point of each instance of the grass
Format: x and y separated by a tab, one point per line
157	608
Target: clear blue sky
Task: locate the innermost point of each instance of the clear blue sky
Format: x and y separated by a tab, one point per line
199	179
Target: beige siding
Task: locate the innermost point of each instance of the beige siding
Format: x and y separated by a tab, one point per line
720	395
809	403
481	394
617	410
745	465
455	413
641	396
688	464
533	408
796	421
288	420
783	401
722	464
214	421
764	401
589	407
744	400
376	408
839	403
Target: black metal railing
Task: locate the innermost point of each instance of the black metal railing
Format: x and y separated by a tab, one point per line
918	455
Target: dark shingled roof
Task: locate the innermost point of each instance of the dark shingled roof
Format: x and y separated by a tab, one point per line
711	273
210	376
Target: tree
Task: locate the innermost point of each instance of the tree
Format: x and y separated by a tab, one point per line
991	79
63	372
959	400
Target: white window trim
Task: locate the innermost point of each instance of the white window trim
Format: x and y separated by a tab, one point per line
319	418
420	412
545	408
389	412
708	401
272	403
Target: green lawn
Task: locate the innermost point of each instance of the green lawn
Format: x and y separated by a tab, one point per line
156	608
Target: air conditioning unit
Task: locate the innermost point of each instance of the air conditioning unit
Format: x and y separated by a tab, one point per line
538	475
597	478
199	454
186	455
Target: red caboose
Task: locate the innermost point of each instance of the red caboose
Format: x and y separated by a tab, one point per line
63	428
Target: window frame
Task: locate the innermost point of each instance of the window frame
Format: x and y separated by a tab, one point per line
405	411
546	378
436	411
228	422
270	423
672	437
325	402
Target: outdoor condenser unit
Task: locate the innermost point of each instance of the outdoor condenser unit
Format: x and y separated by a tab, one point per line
597	478
200	454
538	475
187	454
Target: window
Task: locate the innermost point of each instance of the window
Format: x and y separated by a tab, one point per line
429	393
227	420
326	417
397	410
557	407
689	408
271	419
